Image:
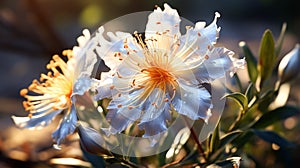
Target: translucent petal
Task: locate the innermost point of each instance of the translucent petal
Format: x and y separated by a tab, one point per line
220	60
166	23
81	85
157	125
35	121
104	86
211	32
193	101
107	48
154	106
198	40
119	122
66	126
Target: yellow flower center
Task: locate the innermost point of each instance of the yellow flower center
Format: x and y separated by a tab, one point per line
53	91
159	77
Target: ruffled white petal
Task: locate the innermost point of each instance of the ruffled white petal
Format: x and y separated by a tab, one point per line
105	86
118	121
193	101
112	50
162	26
219	62
157	125
66	126
197	41
35	121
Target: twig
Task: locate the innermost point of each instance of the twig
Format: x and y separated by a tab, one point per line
195	138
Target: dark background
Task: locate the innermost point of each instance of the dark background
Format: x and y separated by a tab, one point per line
31	31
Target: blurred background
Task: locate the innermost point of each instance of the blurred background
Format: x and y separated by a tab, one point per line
31	31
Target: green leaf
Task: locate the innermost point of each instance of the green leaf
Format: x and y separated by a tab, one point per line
275	115
239	98
266	56
273	137
251	61
215	139
227	138
251	91
241	140
266	99
280	39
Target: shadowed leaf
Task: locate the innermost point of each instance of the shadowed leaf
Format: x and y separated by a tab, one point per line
251	61
92	141
280	39
273	137
275	115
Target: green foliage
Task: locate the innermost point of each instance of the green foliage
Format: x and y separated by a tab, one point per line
240	99
255	118
280	40
266	56
251	61
273	137
275	115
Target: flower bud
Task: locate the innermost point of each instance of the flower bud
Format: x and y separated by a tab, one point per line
289	66
92	141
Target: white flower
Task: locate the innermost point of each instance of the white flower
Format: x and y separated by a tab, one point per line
55	91
289	66
165	69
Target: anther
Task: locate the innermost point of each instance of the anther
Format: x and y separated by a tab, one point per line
32	86
119	105
119	76
208	47
23	92
25	104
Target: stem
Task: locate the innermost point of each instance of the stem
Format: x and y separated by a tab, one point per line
239	117
195	138
236	77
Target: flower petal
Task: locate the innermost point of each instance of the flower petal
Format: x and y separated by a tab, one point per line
112	50
162	26
198	40
220	60
35	121
81	85
154	106
211	32
192	101
66	126
157	125
118	121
